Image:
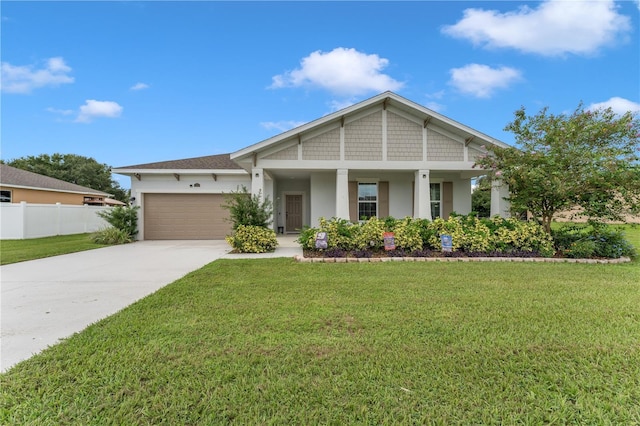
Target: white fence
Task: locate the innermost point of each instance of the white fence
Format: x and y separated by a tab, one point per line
21	221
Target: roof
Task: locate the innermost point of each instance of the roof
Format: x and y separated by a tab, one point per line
209	162
11	176
388	98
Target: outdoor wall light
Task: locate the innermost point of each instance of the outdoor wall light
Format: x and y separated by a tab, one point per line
257	174
424	176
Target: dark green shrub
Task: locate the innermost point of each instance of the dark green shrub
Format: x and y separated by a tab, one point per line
611	243
123	218
248	210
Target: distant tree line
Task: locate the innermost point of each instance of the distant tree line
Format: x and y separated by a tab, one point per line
84	171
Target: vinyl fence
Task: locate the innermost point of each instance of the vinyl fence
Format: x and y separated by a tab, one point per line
22	221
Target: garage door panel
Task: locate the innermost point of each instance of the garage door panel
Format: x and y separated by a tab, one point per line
185	217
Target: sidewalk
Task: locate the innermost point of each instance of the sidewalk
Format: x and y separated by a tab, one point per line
287	247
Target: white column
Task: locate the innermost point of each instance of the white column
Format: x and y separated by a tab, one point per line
499	206
342	194
422	196
257	182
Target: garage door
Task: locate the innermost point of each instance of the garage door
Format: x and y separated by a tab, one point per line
185	217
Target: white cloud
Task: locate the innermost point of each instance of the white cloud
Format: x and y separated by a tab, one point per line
481	80
341	71
555	27
24	79
281	126
618	105
95	109
139	86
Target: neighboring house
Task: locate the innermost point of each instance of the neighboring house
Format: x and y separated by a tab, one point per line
385	156
17	185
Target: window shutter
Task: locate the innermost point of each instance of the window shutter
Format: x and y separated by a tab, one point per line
447	199
353	201
383	199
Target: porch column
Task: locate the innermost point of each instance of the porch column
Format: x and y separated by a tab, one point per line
499	206
257	183
422	195
342	194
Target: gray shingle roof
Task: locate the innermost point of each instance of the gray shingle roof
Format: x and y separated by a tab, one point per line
216	162
10	176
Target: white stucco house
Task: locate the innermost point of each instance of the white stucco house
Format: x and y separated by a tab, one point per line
385	156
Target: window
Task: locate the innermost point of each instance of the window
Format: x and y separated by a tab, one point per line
367	200
5	196
436	200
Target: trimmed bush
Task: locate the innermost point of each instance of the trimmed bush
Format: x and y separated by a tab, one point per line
253	239
470	235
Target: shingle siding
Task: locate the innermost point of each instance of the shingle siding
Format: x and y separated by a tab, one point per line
363	138
443	148
290	153
323	147
404	139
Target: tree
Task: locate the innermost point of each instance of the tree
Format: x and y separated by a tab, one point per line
481	197
588	159
84	171
248	210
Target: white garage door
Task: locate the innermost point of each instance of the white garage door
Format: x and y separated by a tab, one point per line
185	217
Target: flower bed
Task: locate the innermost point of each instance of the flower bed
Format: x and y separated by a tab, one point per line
470	237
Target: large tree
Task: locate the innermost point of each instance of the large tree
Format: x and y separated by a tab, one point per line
73	168
588	160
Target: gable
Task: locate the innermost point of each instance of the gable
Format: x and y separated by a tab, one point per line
443	148
385	128
404	138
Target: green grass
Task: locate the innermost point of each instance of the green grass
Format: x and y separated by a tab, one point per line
12	251
272	341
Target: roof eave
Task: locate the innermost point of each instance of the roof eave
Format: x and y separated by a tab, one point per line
127	171
36	188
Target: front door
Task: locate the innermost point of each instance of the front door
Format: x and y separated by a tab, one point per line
293	212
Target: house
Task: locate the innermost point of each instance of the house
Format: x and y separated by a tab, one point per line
17	185
385	156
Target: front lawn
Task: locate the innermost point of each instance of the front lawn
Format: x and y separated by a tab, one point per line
272	341
12	251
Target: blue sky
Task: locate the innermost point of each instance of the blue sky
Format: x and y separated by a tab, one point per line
136	82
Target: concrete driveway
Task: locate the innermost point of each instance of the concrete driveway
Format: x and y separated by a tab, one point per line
49	299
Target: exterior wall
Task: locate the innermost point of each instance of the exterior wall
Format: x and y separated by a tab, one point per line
323	147
443	148
404	138
35	196
290	153
323	196
23	220
363	138
462	196
401	195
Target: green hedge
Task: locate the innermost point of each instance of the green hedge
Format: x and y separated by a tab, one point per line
252	239
470	234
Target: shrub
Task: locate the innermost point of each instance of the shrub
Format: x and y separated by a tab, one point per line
407	235
111	236
581	249
594	240
253	239
122	218
370	234
248	210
